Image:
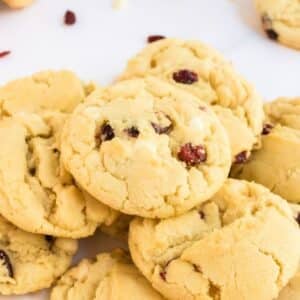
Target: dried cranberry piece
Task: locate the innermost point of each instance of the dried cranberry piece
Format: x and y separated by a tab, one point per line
201	214
241	157
70	17
7	263
272	34
267	129
163	275
106	133
192	155
133	132
154	38
185	76
267	25
4	53
298	219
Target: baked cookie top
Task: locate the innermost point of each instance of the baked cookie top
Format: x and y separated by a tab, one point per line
37	194
58	91
204	72
243	237
281	20
109	276
146	148
30	262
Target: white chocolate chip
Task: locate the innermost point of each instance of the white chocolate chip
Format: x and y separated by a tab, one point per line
197	123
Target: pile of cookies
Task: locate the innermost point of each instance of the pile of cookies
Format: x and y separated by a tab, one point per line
178	157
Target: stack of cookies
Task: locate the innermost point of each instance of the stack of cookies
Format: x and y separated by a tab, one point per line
148	160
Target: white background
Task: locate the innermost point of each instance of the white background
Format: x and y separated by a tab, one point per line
99	44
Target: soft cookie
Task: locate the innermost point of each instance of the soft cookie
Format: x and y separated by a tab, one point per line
37	194
58	91
277	163
30	262
281	20
109	276
146	148
18	3
242	244
202	71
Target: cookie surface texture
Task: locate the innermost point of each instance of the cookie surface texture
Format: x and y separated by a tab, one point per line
209	253
146	148
204	72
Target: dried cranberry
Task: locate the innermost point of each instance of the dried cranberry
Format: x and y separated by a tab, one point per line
185	76
201	214
70	17
133	132
192	155
272	34
154	38
106	133
162	130
267	129
298	219
4	53
163	275
241	157
7	263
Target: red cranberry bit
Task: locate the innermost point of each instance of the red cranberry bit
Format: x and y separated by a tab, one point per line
4	53
201	214
185	76
7	263
154	38
241	157
133	132
267	129
106	133
298	219
192	155
70	17
162	130
163	275
272	34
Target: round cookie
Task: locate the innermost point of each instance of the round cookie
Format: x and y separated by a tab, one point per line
49	90
109	276
18	3
204	72
146	148
36	192
30	262
243	237
281	20
277	163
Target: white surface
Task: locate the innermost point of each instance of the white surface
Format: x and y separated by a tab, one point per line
99	44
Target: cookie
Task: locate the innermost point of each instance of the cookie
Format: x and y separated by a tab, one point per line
202	71
146	148
18	3
109	276
277	163
58	91
30	262
37	194
281	20
243	237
